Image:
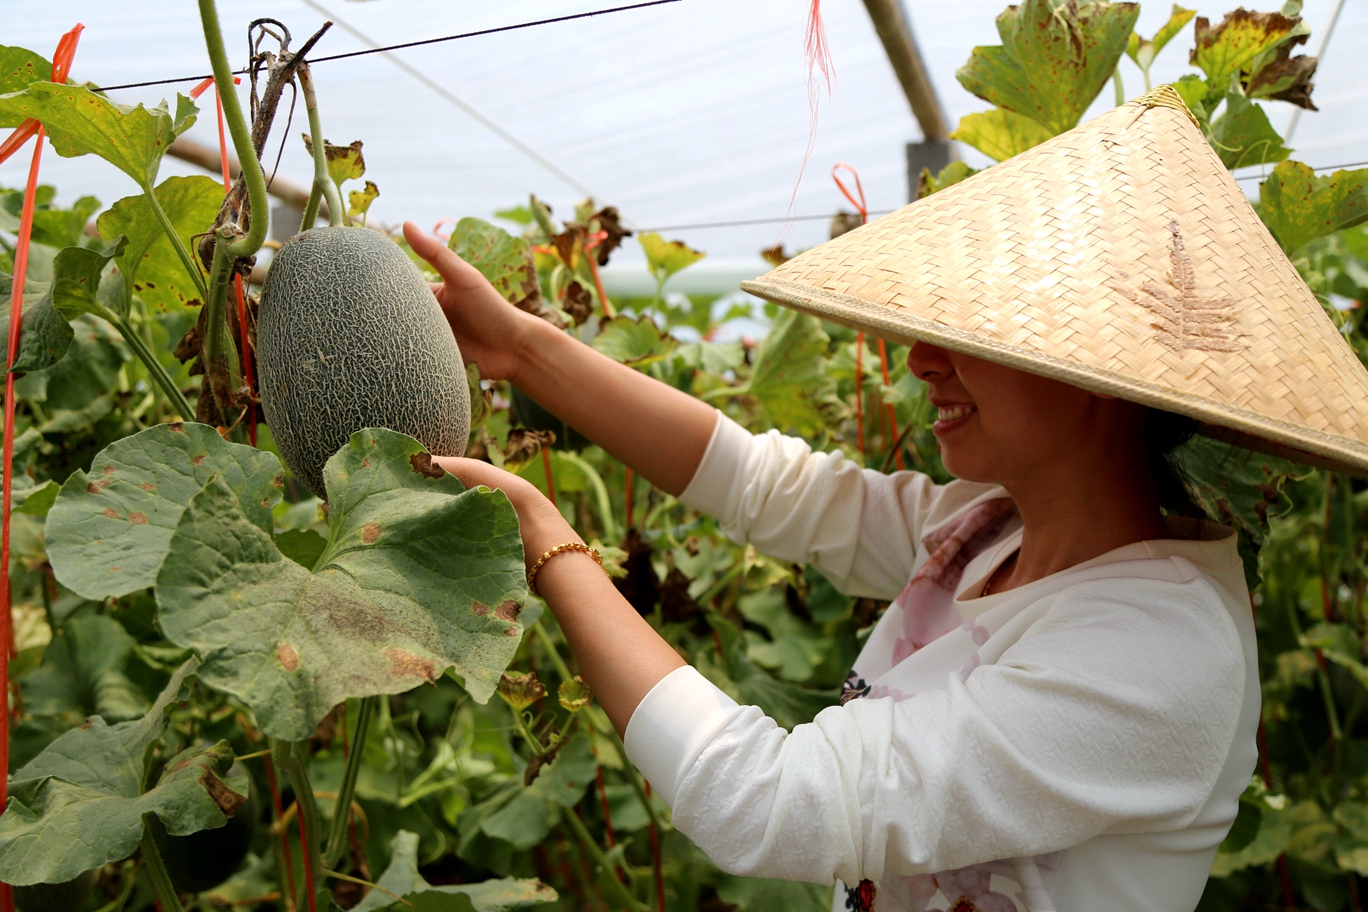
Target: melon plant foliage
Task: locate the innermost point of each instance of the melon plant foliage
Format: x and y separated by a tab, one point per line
193	626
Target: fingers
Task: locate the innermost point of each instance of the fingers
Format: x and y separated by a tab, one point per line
442	258
473	472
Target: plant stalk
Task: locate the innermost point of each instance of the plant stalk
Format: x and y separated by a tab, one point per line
154	367
286	756
220	357
587	840
156	871
188	261
258	213
323	181
337	833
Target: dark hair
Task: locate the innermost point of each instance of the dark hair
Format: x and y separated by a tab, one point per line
1165	434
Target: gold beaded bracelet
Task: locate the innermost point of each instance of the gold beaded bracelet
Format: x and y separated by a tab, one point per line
559	549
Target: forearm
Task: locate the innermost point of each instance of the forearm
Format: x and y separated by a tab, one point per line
620	656
660	432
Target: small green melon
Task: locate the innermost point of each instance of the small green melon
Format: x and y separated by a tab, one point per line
350	336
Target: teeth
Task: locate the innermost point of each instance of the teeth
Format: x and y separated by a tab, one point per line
951	412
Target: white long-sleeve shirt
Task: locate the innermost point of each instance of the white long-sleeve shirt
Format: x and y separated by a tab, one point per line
1093	760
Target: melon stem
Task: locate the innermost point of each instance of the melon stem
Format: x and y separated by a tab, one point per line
258	206
322	182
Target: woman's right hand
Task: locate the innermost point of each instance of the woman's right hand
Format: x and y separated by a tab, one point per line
489	330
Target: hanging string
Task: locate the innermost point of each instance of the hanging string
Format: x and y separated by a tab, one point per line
61	66
816	58
890	417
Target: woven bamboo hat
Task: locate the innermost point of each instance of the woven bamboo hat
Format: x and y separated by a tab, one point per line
1120	257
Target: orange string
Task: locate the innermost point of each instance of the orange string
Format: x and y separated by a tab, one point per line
237	279
284	831
61	66
308	866
550	484
859	390
859	204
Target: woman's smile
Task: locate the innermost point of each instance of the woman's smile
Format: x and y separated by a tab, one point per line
951	415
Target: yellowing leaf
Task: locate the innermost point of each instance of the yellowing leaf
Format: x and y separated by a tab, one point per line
665	258
1053	61
1221	52
1143	51
19	67
1299	206
999	133
634	342
344	162
359	201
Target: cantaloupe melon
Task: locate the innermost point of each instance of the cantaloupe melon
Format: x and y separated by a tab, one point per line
350	336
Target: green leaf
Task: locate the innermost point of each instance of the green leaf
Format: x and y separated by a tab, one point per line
109	530
1298	206
1144	51
89	370
76	276
1223	51
749	684
999	133
1270	820
529	817
64	227
665	258
419	575
149	261
951	174
81	122
77	806
790	379
44	334
402	878
1194	90
19	67
303	546
1243	136
39	500
757	894
83	674
636	342
506	261
359	201
1053	61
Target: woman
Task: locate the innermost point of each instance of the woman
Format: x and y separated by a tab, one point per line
1059	709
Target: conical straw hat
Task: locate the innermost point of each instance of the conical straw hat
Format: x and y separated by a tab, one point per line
1120	257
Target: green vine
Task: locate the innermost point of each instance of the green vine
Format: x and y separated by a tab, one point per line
322	182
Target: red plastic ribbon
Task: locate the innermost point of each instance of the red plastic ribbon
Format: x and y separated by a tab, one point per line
61	66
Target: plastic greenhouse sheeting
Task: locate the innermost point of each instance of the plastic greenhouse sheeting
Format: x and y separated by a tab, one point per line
687	113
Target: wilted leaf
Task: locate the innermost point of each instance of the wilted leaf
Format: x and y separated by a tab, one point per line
1298	206
665	258
419	576
506	261
81	122
523	445
790	379
359	201
1143	51
636	342
401	878
1223	51
109	530
1054	59
149	261
1282	77
77	806
609	222
1242	135
83	674
521	689
951	174
573	694
18	68
999	133
344	162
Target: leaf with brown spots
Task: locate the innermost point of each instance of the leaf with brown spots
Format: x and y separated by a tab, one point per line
123	512
392	602
79	804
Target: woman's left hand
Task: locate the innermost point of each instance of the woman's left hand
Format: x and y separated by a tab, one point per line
540	523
